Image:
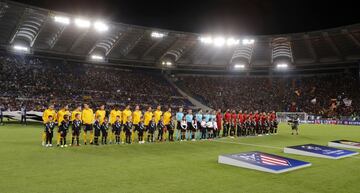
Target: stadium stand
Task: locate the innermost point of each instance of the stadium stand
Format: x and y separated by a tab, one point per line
37	82
311	94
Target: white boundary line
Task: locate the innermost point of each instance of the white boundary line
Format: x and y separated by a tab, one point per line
249	144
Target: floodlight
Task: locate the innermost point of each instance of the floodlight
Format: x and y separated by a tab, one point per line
157	34
82	23
219	41
97	57
62	20
282	66
232	41
248	41
206	40
101	26
21	48
239	66
168	63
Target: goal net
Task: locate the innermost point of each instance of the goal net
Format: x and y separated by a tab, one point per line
285	116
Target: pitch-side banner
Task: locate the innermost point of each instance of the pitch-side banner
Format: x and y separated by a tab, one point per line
262	161
30	115
319	151
333	122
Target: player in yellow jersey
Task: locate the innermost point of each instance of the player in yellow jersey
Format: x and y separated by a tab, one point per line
113	117
87	117
157	114
148	115
74	112
49	111
101	113
167	120
136	116
126	114
60	117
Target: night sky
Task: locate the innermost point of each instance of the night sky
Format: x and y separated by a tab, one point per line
249	17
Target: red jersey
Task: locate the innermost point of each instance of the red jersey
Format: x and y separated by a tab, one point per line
219	118
228	117
241	118
233	118
256	117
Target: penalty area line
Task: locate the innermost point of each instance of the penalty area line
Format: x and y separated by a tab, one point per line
248	144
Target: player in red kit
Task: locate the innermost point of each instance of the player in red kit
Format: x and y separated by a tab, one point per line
233	123
227	118
219	120
240	124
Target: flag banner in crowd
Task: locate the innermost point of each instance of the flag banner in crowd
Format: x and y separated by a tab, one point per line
347	102
314	150
262	161
345	144
33	116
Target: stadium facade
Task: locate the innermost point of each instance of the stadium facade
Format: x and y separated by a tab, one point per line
47	33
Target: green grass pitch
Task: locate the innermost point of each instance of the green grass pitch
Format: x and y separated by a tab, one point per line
26	166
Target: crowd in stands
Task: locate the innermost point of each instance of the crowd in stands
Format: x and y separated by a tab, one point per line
36	83
324	95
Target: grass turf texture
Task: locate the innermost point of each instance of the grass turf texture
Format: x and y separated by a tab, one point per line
26	166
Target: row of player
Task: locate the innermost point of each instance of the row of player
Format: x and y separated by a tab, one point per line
126	124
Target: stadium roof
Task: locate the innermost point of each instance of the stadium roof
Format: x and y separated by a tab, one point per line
123	43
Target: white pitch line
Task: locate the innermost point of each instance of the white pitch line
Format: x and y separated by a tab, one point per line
249	144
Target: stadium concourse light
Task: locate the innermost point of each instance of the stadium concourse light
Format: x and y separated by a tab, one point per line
248	41
239	66
21	48
62	20
82	23
101	26
282	66
157	34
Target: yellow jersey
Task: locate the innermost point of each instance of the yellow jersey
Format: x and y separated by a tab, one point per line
126	113
73	114
46	114
60	115
113	114
157	115
147	117
102	114
87	116
167	117
136	117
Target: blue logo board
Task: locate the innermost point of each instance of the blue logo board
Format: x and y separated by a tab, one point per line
325	151
269	162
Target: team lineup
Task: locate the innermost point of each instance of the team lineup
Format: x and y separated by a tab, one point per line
127	126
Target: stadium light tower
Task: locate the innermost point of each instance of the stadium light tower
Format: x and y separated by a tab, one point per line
82	23
62	20
101	26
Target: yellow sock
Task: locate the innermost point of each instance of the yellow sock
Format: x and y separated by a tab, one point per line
58	137
91	137
43	137
84	137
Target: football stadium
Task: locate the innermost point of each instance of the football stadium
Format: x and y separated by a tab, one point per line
89	103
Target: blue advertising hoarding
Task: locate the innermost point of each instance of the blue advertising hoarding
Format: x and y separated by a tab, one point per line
319	151
262	161
343	143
